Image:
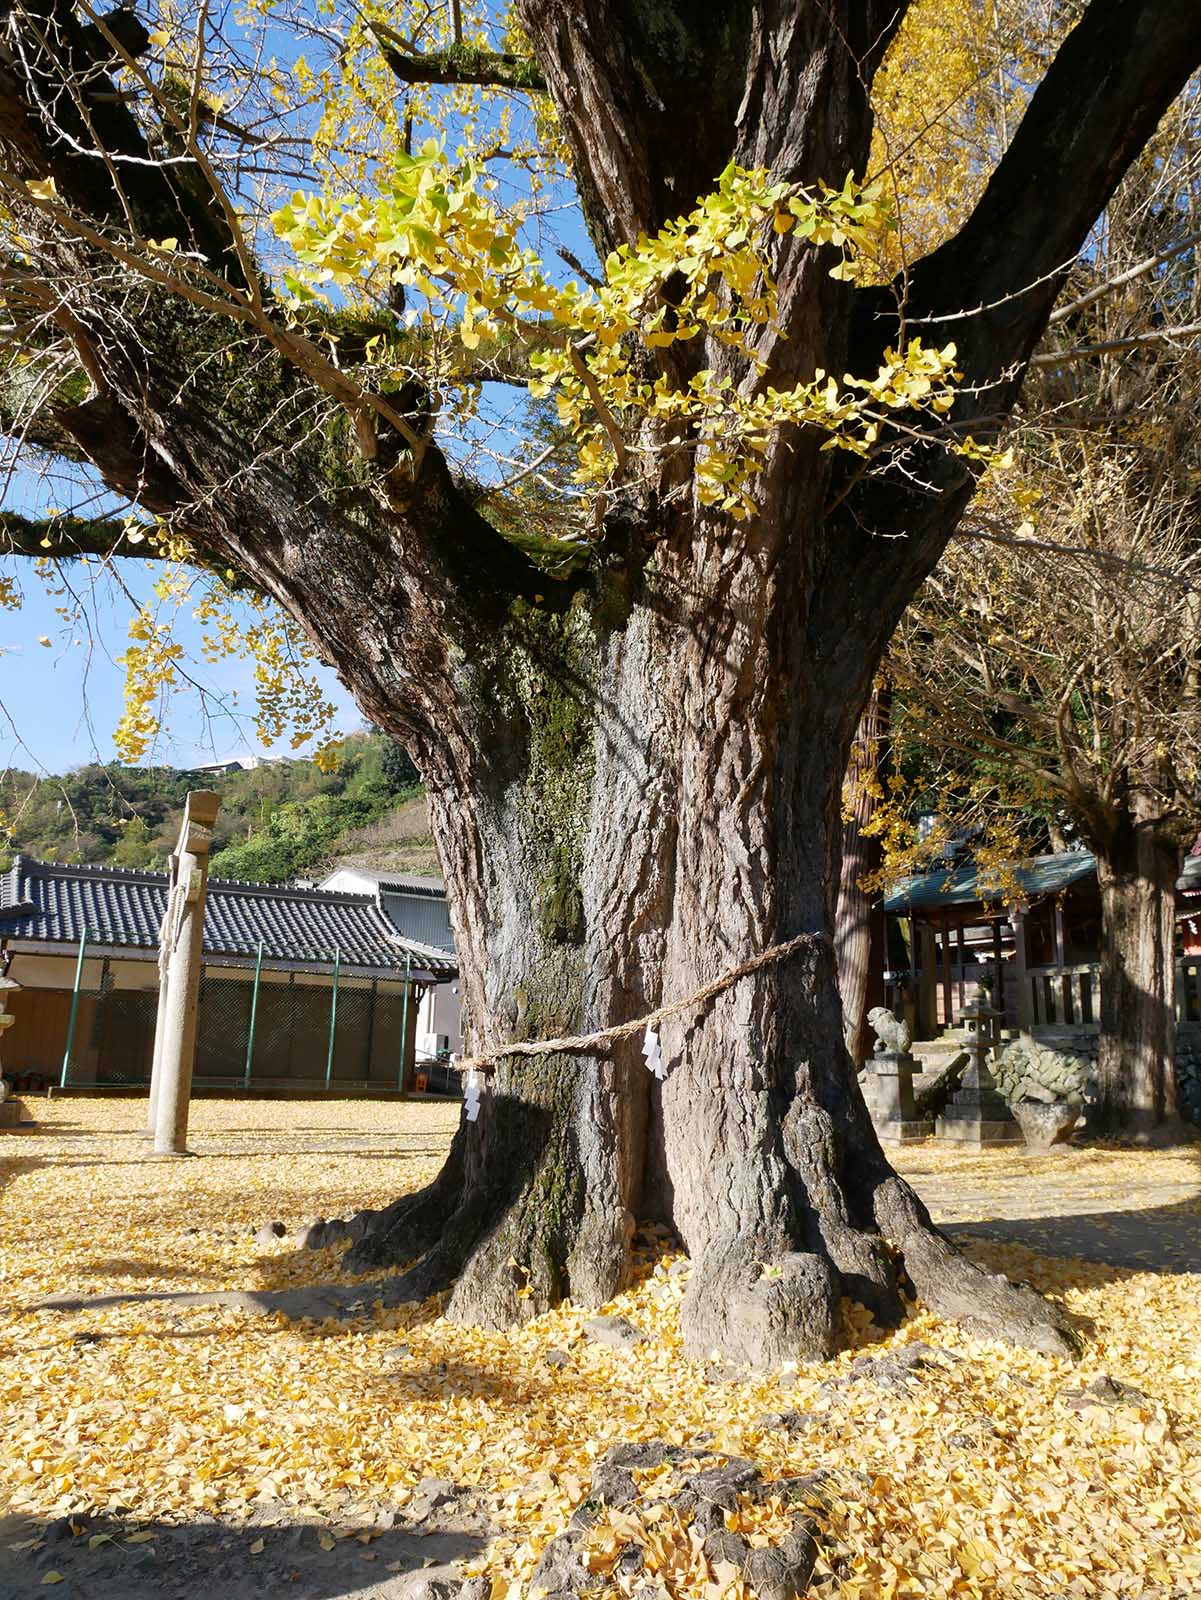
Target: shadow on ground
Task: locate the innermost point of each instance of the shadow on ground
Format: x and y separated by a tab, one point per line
311	1302
1158	1239
120	1559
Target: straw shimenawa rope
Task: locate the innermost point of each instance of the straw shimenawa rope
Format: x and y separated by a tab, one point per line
584	1042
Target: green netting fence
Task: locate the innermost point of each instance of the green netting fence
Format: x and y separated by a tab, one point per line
320	1022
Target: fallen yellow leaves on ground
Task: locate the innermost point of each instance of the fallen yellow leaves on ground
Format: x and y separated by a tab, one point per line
976	1479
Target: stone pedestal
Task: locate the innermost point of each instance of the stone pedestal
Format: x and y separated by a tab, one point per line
889	1095
978	1113
1046	1125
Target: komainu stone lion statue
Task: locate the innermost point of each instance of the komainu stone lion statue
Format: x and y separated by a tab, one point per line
892	1035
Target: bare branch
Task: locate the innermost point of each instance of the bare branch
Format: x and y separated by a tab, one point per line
1139	270
1082	352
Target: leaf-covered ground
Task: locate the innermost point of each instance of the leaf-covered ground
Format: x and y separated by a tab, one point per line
978	1477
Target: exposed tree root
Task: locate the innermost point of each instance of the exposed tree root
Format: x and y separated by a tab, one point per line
759	1307
759	1296
753	1302
947	1282
862	1259
509	1255
409	1227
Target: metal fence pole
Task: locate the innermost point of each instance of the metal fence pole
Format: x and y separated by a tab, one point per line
404	1025
83	944
333	1020
254	1011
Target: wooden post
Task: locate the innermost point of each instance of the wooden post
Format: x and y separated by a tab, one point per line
185	937
1017	921
927	1002
999	968
1061	987
961	954
947	1002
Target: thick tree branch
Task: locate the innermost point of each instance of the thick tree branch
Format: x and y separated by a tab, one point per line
243	487
70	538
65	538
656	99
1112	80
462	63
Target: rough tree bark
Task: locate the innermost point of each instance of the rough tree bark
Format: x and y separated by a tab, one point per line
634	774
859	916
1138	863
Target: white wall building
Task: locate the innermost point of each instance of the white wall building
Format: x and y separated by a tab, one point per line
417	908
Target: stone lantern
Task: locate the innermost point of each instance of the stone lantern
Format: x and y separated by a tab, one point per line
978	1114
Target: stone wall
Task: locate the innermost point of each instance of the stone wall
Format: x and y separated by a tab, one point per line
1076	1045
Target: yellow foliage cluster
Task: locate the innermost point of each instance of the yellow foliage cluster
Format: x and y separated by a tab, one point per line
434	227
242	625
978	1481
950	93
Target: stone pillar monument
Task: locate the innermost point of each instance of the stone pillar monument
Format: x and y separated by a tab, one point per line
179	969
165	936
978	1114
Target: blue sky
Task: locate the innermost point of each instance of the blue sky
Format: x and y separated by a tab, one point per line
60	703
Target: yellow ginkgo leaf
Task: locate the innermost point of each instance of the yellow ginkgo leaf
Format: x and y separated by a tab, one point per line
52	1577
160	37
42	188
257	1547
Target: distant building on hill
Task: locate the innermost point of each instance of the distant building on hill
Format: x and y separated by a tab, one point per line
218	769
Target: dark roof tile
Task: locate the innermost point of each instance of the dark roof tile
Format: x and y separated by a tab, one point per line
124	906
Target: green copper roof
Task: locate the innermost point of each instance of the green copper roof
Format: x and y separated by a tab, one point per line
957	886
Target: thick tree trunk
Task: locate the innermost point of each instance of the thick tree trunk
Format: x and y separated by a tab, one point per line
859	919
1137	869
653	796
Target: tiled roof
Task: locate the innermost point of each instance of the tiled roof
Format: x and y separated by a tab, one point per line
124	906
402	882
957	886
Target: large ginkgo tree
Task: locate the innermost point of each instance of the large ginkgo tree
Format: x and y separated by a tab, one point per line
263	277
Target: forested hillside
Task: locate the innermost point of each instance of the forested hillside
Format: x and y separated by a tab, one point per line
277	821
